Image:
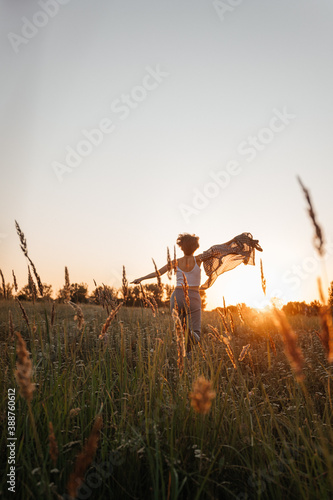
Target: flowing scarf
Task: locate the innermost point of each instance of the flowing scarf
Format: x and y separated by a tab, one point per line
221	258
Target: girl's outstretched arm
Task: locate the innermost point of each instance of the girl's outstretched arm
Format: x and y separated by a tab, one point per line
161	271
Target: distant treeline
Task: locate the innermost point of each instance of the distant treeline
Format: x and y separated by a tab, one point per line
78	293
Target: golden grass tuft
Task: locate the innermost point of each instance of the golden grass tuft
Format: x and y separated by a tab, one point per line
202	395
84	459
263	279
109	320
244	352
23	373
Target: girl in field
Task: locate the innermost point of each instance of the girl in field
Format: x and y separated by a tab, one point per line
216	260
188	266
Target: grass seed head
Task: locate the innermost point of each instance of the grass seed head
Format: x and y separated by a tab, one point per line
23	373
202	395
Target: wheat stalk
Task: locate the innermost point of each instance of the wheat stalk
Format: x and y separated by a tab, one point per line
318	237
158	276
24	314
15	281
108	321
240	315
263	280
3	285
175	261
67	287
169	265
185	290
124	285
32	286
244	352
23	241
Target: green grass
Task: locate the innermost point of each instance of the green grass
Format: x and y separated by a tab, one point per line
266	436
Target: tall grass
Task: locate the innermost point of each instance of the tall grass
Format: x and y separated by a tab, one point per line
265	435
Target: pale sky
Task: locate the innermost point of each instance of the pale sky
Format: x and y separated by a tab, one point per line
208	113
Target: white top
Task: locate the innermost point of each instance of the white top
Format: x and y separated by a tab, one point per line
193	277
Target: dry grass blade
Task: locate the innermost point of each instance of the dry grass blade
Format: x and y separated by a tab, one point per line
32	286
146	301
67	287
23	371
3	285
202	395
325	314
15	281
185	290
53	445
39	282
244	352
24	314
223	319
124	285
231	320
263	280
24	249
23	242
53	313
79	318
158	277
318	237
240	315
109	320
169	264
292	350
84	459
175	261
230	354
180	340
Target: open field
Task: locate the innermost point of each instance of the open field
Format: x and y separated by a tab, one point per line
266	435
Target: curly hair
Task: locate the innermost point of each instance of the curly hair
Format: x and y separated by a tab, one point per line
188	243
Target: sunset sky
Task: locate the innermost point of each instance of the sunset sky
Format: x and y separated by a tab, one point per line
126	123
